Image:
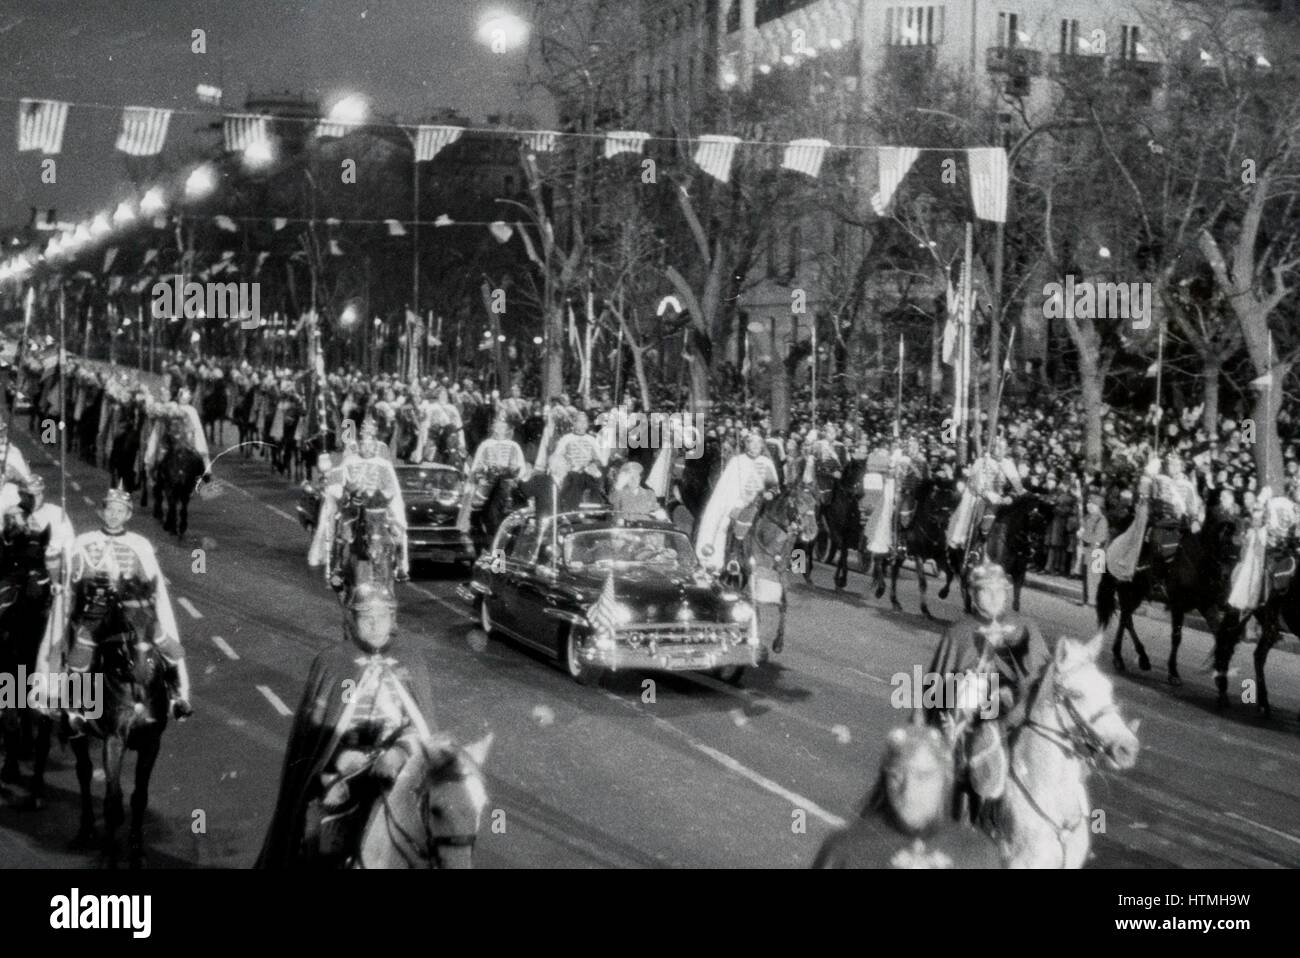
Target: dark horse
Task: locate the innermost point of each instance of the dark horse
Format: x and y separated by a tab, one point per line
175	480
133	714
367	544
764	551
843	520
1193	578
1009	543
24	606
924	510
124	447
494	497
1277	609
213	407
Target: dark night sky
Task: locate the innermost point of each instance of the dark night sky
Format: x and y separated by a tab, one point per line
408	56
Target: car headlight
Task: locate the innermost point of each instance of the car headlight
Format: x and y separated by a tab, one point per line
742	612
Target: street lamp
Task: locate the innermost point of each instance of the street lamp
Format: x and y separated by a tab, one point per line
153	202
258	154
502	31
201	182
349	109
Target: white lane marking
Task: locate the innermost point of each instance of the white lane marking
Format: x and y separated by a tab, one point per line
1273	831
459	610
867	675
76	486
188	606
88	501
732	765
225	648
281	513
274	699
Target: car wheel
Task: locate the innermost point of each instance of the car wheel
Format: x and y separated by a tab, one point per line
571	659
731	674
485	617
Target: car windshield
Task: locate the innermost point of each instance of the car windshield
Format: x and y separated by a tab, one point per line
623	548
439	483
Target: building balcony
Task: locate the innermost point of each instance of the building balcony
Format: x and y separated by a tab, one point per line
1078	67
1143	75
916	57
1014	61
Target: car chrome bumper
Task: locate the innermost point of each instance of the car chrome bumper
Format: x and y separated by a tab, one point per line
692	658
440	545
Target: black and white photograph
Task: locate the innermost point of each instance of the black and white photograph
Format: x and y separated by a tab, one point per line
651	434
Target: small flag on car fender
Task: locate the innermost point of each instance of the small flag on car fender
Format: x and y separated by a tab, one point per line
601	613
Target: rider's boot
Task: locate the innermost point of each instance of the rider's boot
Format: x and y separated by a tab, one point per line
403	573
178	688
76	718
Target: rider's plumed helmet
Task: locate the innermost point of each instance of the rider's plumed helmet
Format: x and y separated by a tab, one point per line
370	617
987	573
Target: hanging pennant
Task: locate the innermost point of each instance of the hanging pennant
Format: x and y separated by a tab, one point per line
395	227
226	223
714	155
895	161
988	182
501	231
624	141
430	140
805	156
41	124
243	130
144	130
541	141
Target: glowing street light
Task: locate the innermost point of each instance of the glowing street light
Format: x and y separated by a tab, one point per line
502	31
258	153
349	315
350	109
537	340
153	202
201	182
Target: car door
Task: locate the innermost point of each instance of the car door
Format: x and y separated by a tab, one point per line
524	609
501	577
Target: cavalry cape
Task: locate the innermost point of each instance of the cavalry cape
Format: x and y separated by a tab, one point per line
729	495
314	739
875	842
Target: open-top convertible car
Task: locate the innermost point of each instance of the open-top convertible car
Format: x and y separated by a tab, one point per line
600	592
432	494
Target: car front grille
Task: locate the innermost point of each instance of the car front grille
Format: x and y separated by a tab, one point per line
704	633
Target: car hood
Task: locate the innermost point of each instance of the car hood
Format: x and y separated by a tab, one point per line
657	595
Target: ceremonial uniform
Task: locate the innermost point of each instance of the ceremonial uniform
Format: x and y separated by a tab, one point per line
15	466
989	479
361	478
352	702
743	481
1266	553
876	841
107	568
575	453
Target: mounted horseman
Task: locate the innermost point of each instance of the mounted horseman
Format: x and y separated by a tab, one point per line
992	480
498	467
365	784
364	481
577	466
747	481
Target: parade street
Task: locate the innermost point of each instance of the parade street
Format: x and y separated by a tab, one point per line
696	774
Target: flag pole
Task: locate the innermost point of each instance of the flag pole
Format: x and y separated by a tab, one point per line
63	400
1267	440
898	403
1160	363
963	442
17	370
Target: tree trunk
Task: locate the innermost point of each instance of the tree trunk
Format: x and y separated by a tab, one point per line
1211	366
553	358
1088	343
1268	450
780	386
936	357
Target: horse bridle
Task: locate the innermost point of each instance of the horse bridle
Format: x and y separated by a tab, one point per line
400	838
1081	742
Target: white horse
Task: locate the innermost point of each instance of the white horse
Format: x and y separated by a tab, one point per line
1044	819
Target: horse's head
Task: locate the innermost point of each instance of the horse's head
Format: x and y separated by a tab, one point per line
799	507
430	815
1083	700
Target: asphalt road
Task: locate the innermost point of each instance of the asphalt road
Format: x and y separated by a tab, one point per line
696	775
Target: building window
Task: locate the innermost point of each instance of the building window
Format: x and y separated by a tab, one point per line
768	10
913	26
1069	37
1008	29
1128	43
